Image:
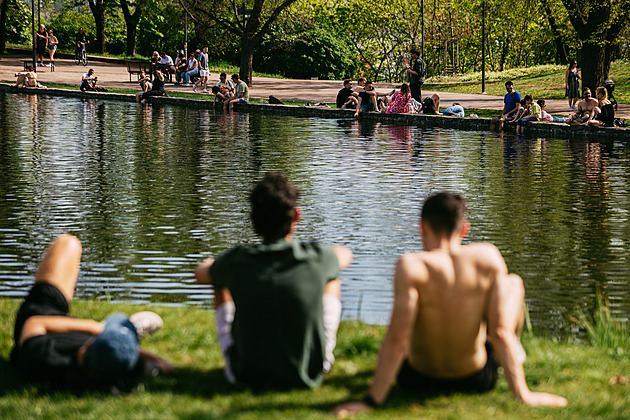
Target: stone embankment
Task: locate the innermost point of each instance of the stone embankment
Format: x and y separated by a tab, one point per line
537	129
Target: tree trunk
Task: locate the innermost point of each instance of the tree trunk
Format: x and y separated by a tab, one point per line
594	71
3	25
561	51
131	22
247	58
98	11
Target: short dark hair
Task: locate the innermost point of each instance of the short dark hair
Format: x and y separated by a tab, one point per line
346	81
444	212
414	51
529	98
273	201
509	83
540	102
215	89
236	76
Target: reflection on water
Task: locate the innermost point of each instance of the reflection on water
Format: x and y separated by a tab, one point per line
152	190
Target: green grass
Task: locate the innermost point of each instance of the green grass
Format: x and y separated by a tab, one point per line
545	81
579	372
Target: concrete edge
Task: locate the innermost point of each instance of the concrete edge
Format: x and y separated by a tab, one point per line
534	129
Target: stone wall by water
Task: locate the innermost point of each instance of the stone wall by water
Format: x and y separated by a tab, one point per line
538	129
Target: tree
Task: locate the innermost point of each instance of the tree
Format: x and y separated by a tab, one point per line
98	9
250	25
131	21
4	6
598	24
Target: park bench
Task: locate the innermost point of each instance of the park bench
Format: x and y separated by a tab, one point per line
136	67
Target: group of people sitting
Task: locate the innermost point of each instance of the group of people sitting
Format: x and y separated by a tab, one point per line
364	97
518	111
457	313
194	69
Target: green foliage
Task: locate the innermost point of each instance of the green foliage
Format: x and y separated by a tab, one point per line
18	28
302	48
605	332
66	23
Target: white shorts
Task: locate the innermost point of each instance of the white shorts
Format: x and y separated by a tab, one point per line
203	73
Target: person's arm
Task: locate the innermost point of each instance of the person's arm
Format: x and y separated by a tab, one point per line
202	272
515	109
344	256
506	300
396	342
44	324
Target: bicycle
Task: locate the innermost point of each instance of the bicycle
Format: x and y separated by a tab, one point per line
80	55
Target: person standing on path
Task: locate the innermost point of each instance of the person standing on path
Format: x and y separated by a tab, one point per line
416	74
52	47
42	42
204	71
572	84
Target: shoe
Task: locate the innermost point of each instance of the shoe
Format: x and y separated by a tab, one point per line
205	91
146	322
194	88
187	85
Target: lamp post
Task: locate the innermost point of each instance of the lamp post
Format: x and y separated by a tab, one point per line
186	35
483	46
422	12
34	34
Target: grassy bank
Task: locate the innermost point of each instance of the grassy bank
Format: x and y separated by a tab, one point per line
581	373
546	81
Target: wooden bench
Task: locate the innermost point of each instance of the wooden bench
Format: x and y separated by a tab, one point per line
136	67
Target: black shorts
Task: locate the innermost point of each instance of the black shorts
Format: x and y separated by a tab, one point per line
43	299
479	382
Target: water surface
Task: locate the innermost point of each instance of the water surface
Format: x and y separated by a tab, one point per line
151	191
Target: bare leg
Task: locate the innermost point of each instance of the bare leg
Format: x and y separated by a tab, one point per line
332	315
60	265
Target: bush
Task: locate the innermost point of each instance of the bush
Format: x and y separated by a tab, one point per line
303	50
66	24
18	28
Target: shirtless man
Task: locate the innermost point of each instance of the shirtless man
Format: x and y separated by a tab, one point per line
454	307
584	108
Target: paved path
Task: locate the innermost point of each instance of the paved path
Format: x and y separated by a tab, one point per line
115	75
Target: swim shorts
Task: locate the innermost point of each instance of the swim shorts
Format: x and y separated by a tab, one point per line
479	382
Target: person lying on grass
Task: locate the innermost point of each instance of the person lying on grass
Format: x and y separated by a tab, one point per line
457	316
66	353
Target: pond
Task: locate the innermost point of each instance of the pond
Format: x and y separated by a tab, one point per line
152	190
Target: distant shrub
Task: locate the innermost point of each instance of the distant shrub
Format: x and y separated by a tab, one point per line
304	50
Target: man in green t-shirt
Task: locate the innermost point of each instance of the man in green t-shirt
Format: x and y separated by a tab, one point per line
277	303
241	93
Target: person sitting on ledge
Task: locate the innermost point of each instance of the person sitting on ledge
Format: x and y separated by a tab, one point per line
511	104
26	78
584	108
345	98
66	353
277	306
604	113
157	89
221	94
241	93
456	317
545	116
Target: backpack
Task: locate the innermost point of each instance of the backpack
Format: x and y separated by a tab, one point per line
275	101
428	107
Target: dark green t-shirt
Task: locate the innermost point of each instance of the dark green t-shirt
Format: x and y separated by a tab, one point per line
278	329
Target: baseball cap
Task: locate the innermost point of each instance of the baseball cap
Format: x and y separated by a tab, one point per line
115	350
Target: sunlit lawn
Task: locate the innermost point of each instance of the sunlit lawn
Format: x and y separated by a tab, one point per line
198	390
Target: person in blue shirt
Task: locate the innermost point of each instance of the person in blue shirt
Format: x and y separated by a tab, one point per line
455	110
511	104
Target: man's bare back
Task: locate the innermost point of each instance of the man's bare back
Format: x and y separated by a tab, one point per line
448	300
449	332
